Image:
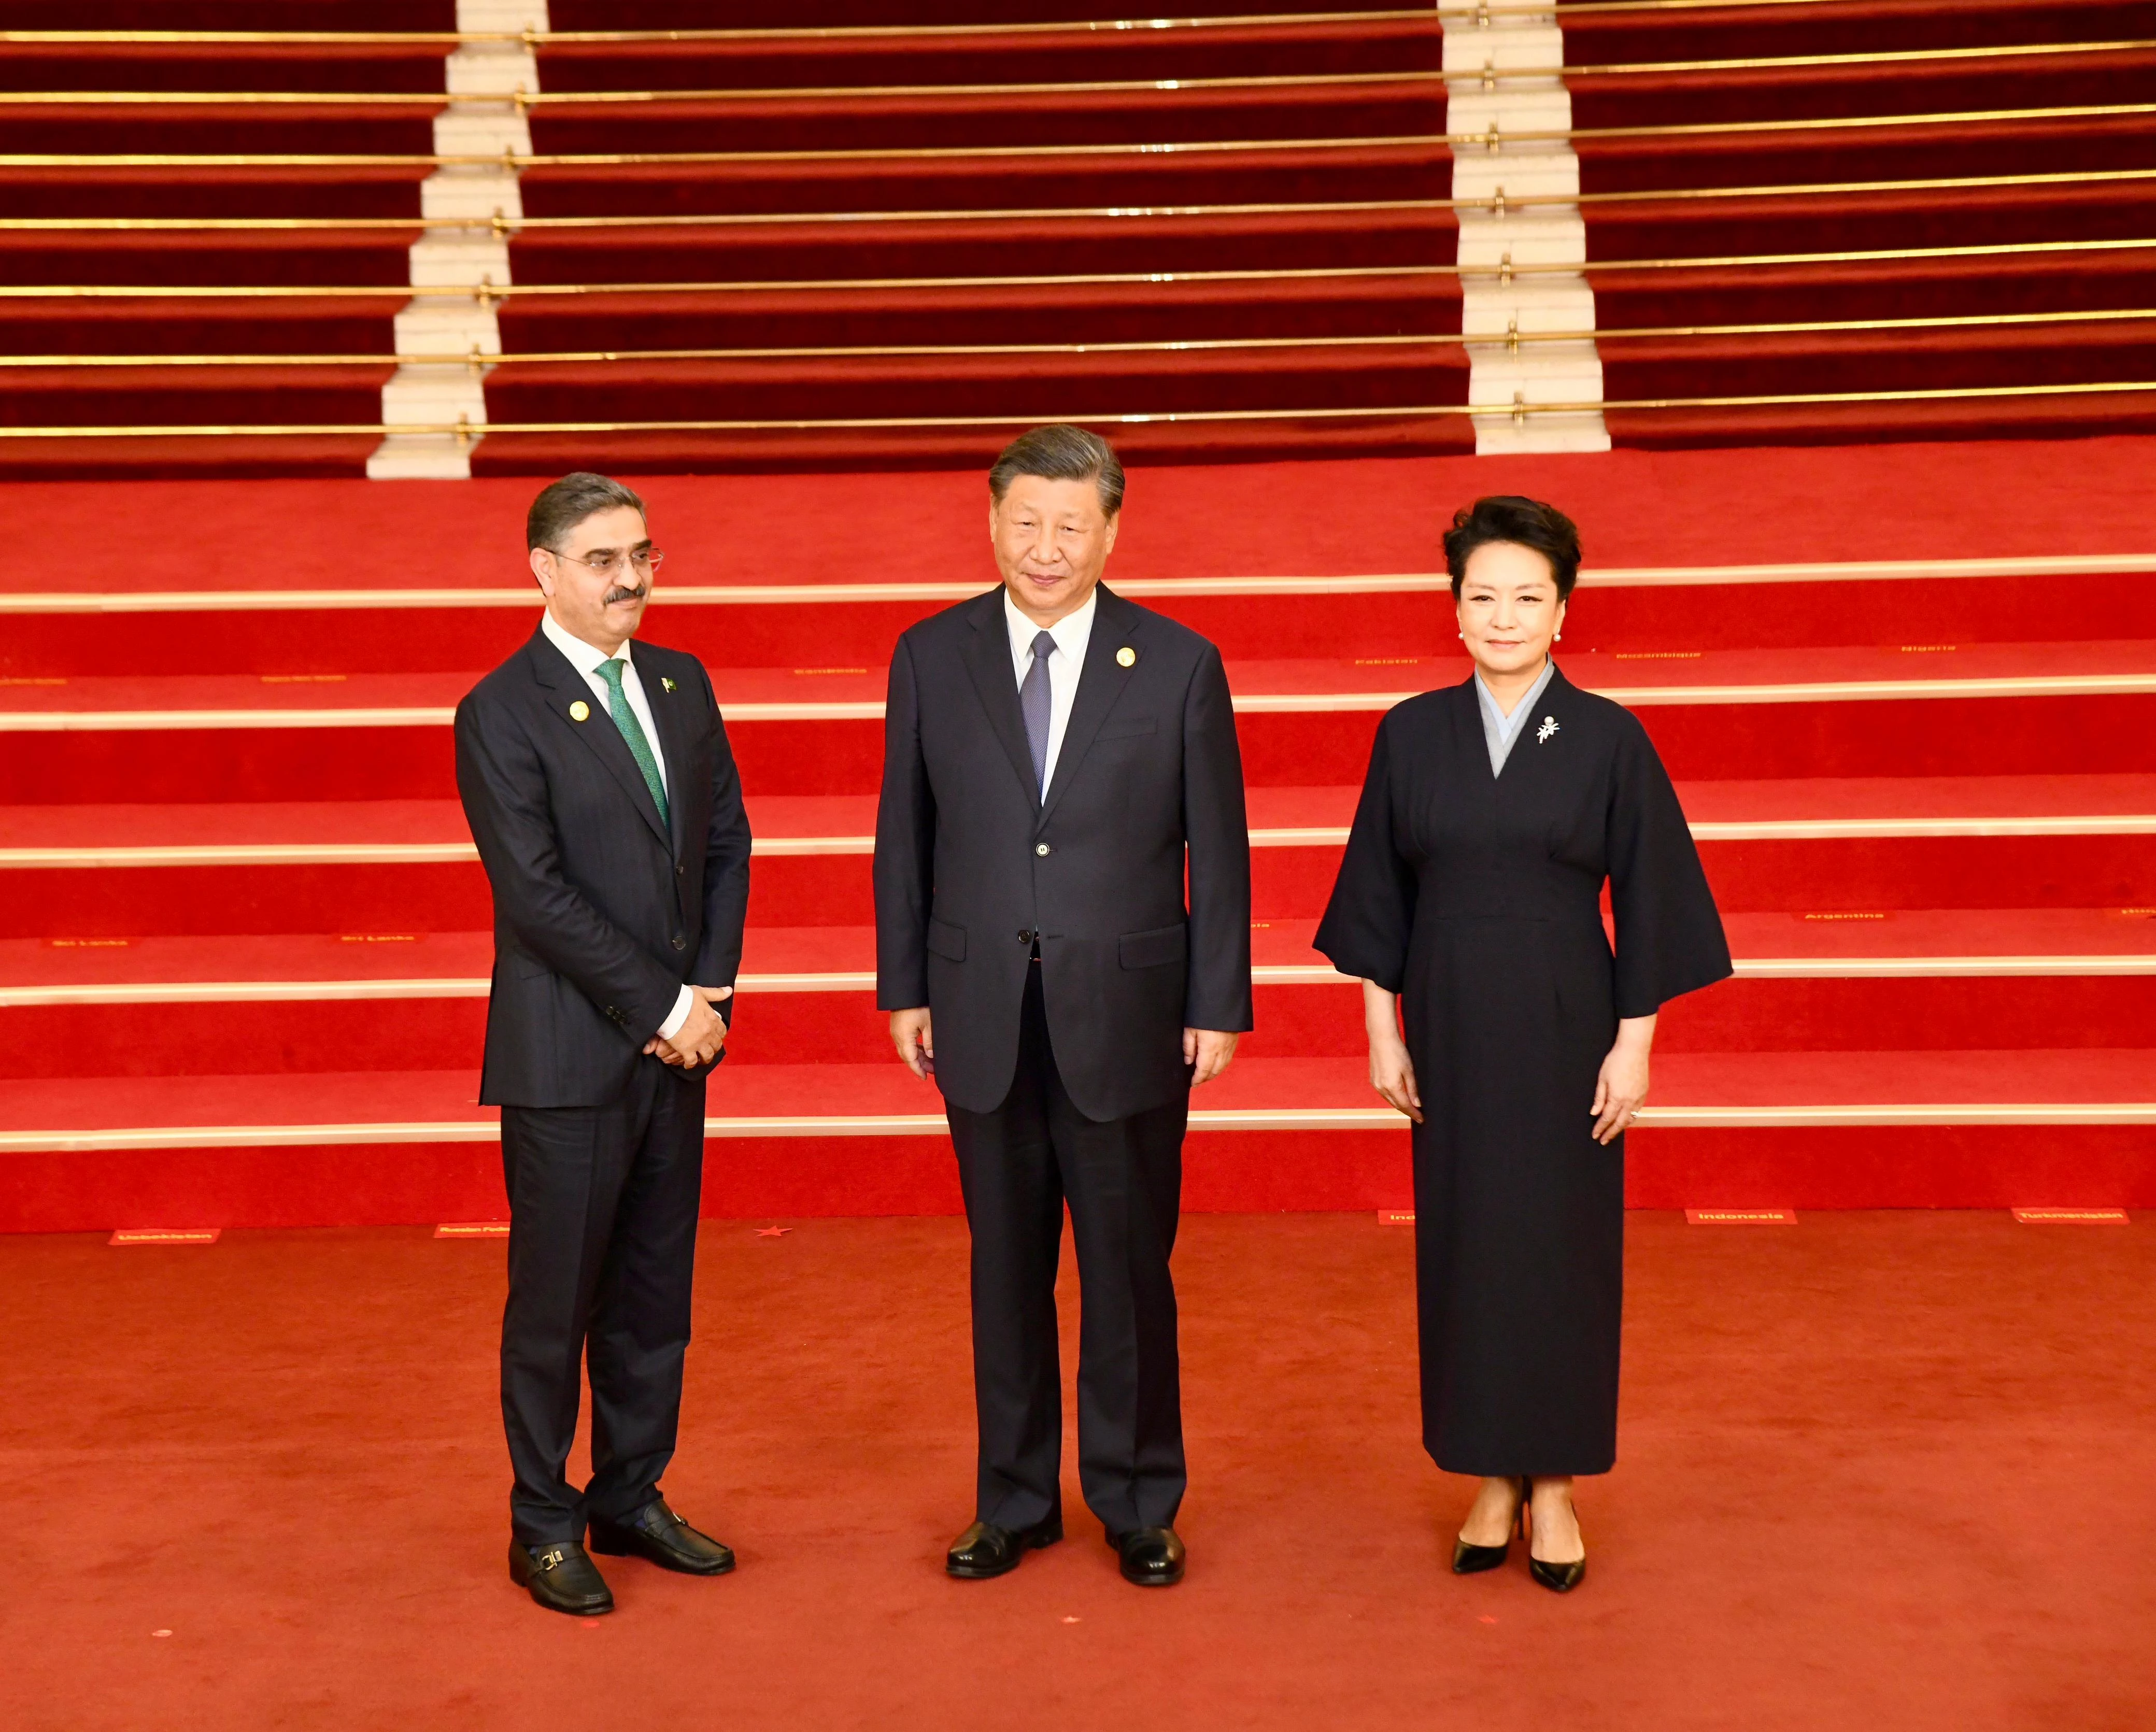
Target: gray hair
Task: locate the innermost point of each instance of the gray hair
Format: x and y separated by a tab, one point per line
563	505
1061	452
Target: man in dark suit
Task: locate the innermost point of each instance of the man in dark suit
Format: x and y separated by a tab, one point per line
603	797
1055	760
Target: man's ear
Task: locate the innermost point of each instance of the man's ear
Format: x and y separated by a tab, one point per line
542	571
1108	546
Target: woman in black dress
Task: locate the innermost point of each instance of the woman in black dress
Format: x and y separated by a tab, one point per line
1469	903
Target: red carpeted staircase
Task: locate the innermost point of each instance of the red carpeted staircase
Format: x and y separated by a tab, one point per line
243	949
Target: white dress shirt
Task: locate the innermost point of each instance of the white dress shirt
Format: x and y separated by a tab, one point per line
586	660
1500	731
1072	633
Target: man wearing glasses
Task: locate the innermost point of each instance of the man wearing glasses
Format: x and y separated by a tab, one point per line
603	797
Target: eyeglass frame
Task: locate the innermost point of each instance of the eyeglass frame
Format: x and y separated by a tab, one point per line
647	559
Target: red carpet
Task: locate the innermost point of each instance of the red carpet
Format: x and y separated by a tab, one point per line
1241	229
284	1450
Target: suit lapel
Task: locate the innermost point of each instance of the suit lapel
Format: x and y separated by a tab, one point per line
670	721
565	685
1099	684
988	657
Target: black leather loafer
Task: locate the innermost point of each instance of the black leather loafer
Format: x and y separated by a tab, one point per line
984	1550
661	1537
1153	1557
561	1577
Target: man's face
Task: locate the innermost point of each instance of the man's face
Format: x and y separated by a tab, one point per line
594	589
1052	541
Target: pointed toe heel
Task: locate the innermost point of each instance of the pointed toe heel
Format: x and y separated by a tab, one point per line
1557	1578
1473	1560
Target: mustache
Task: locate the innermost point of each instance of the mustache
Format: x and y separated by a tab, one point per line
634	591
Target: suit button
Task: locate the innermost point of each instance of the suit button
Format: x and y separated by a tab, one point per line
1025	935
681	872
1040	847
680	942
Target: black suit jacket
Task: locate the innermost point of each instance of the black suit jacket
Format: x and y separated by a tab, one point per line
602	913
973	868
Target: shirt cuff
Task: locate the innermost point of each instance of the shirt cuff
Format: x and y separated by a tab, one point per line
682	1006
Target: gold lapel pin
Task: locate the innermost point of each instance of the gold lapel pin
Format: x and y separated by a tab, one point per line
580	711
1126	657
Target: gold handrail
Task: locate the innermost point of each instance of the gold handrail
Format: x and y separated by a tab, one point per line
477	360
1490	139
1485	9
511	225
489	291
469	430
523	99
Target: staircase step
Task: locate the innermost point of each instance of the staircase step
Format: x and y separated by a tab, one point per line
1811	1129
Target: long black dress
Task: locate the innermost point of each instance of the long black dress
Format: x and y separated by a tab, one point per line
1478	899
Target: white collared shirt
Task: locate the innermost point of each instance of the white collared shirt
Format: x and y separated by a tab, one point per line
1499	730
586	660
1072	633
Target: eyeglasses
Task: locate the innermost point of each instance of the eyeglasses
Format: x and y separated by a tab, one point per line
607	561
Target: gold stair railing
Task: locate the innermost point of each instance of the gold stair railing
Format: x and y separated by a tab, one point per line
480	361
721	220
1491	140
467	429
491	292
793	93
1484	12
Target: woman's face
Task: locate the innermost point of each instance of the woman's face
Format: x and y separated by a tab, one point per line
1508	607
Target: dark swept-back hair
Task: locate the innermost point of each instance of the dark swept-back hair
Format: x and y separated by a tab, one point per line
563	505
1526	522
1061	452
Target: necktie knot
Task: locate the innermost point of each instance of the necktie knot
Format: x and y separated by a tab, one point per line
611	672
1043	645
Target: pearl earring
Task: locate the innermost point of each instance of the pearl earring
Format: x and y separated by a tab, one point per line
1557	637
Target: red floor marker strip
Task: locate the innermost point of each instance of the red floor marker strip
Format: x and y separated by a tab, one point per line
472	1230
1741	1217
2058	1217
1396	1217
165	1235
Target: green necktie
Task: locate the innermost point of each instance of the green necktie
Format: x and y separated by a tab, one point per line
632	730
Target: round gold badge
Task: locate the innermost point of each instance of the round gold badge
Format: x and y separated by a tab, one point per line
1126	657
580	711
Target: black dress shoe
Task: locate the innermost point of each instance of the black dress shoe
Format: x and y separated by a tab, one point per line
1557	1578
1472	1559
663	1538
561	1577
1153	1557
984	1550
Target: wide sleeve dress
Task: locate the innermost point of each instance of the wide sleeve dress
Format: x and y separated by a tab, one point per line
1477	899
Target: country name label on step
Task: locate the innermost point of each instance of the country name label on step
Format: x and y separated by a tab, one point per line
2070	1217
1741	1217
165	1235
472	1230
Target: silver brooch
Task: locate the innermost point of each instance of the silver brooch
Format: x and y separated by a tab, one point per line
1547	729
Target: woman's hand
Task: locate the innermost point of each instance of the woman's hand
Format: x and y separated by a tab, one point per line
1621	1088
1392	1072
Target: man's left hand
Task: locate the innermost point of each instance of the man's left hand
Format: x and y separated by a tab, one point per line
1207	1050
702	1037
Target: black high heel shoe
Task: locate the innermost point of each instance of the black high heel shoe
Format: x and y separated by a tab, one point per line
1557	1578
1472	1559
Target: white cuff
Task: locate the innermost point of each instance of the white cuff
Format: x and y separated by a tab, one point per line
682	1006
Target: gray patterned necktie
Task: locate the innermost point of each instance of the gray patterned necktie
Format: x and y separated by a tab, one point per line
1033	699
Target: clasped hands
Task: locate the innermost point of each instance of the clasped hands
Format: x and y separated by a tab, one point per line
1206	1051
702	1037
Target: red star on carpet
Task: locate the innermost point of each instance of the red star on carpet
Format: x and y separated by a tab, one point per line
773	1232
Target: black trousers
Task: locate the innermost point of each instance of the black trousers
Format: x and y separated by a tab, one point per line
1122	1179
601	1253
